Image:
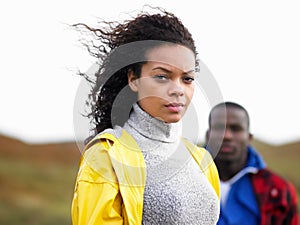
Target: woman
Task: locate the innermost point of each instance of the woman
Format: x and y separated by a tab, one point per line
142	172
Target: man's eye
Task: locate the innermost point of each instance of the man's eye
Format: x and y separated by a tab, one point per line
236	128
218	128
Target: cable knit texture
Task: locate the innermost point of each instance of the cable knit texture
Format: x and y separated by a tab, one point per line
176	191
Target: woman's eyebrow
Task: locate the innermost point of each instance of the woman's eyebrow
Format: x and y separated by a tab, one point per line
162	68
190	71
169	71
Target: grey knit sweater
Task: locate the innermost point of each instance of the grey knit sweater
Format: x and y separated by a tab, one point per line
176	190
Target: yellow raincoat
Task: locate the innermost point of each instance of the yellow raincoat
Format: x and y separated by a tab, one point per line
111	179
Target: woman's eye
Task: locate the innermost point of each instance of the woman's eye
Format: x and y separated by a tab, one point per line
161	77
188	79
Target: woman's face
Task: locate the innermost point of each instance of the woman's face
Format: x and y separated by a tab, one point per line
166	85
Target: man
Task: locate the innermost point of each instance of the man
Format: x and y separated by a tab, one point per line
250	193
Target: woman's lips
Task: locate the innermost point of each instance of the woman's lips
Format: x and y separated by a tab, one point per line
175	107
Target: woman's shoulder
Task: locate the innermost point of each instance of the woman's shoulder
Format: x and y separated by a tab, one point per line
110	152
112	141
95	163
108	135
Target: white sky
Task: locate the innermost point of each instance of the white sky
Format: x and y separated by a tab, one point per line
252	48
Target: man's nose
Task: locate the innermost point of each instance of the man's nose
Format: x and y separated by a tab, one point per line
227	134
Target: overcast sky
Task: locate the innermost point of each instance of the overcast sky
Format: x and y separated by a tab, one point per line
251	48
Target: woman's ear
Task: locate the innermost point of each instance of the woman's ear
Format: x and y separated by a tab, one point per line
132	81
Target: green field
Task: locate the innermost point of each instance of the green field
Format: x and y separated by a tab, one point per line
35	194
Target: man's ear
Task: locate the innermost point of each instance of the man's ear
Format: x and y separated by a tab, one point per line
250	136
206	137
132	81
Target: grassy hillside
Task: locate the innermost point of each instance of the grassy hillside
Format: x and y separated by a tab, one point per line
283	159
37	181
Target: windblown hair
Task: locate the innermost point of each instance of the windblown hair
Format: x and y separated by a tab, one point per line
122	49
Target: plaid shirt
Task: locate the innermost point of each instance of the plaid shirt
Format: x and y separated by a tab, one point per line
277	199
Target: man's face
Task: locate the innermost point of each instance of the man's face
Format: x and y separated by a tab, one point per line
229	135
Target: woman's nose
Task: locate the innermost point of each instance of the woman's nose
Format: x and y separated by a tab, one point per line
176	88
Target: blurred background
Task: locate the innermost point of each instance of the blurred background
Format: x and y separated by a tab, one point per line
37	180
252	50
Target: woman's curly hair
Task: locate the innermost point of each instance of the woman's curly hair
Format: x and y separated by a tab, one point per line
122	49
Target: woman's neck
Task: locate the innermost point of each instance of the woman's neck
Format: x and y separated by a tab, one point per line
151	127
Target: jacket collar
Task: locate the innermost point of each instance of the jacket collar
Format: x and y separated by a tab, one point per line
255	159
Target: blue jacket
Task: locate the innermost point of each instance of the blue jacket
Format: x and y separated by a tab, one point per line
241	207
